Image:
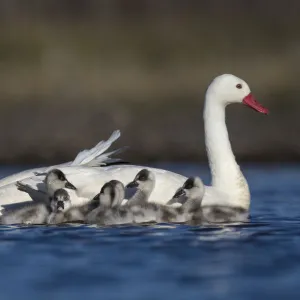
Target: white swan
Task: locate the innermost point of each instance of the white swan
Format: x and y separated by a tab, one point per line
229	186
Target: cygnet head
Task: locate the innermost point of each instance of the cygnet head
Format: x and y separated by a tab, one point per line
193	188
112	194
55	180
228	88
144	180
60	201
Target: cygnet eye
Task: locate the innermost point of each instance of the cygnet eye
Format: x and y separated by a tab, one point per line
239	86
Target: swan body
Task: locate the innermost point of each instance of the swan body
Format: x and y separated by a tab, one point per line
88	180
229	186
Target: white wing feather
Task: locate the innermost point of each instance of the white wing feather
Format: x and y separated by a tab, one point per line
96	157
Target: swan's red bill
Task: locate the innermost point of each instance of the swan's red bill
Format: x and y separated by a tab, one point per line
251	102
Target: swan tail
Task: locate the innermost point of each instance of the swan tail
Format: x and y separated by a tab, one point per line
95	156
106	160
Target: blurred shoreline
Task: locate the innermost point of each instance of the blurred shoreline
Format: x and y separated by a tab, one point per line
152	132
71	72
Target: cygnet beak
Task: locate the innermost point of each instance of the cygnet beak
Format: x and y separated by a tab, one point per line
60	205
132	184
180	192
69	185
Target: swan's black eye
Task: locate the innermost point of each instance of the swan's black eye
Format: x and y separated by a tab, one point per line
239	86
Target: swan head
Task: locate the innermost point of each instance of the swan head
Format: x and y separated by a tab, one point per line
228	89
192	188
60	200
144	180
56	179
112	193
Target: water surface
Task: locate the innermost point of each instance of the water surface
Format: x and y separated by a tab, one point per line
250	261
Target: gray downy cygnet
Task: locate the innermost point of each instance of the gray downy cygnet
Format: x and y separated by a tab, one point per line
144	181
55	179
194	189
191	195
33	213
109	210
145	212
60	203
142	210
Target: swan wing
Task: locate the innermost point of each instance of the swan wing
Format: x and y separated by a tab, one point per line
94	157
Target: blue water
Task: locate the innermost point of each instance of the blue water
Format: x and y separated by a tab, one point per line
251	261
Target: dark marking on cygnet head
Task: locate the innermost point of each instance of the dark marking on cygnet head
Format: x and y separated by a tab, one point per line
60	204
60	197
111	186
60	175
114	182
61	194
189	184
142	175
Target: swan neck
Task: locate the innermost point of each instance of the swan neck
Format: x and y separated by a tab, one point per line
225	172
218	146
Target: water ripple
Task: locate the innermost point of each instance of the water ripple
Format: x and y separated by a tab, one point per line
251	260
